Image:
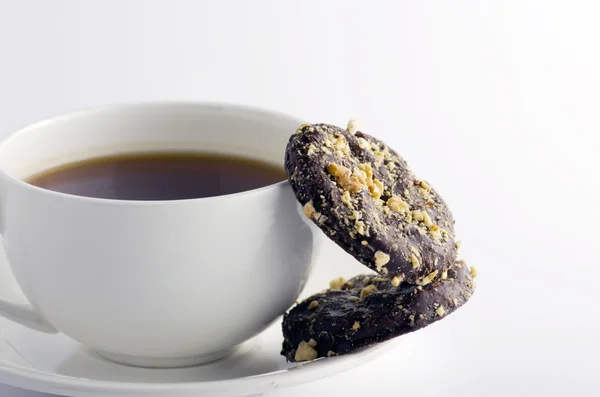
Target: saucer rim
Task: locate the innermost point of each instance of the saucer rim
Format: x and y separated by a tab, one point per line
48	382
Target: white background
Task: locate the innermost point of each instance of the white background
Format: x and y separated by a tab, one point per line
497	104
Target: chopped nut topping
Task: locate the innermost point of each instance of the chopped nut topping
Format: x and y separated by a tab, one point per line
412	320
376	189
346	199
391	166
338	171
345	179
435	232
341	145
359	226
363	175
368	290
338	284
377	151
353	299
386	209
425	186
422	216
353	126
366	167
313	305
355	326
362	143
396	281
310	211
360	175
364	242
311	149
440	311
426	194
427	279
299	130
458	244
312	343
444	275
473	272
415	261
331	353
397	204
305	352
414	250
381	259
328	141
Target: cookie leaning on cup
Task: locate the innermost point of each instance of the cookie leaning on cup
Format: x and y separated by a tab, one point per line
363	195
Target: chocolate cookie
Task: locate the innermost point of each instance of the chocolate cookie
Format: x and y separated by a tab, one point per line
368	309
363	195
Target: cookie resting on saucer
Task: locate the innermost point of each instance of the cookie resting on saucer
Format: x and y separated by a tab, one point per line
363	195
368	309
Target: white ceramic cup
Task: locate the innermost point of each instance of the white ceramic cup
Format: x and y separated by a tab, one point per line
153	283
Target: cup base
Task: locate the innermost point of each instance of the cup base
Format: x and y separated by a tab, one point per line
165	362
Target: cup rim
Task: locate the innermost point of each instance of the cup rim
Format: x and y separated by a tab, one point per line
145	104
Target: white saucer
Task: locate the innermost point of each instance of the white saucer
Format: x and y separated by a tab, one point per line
56	364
